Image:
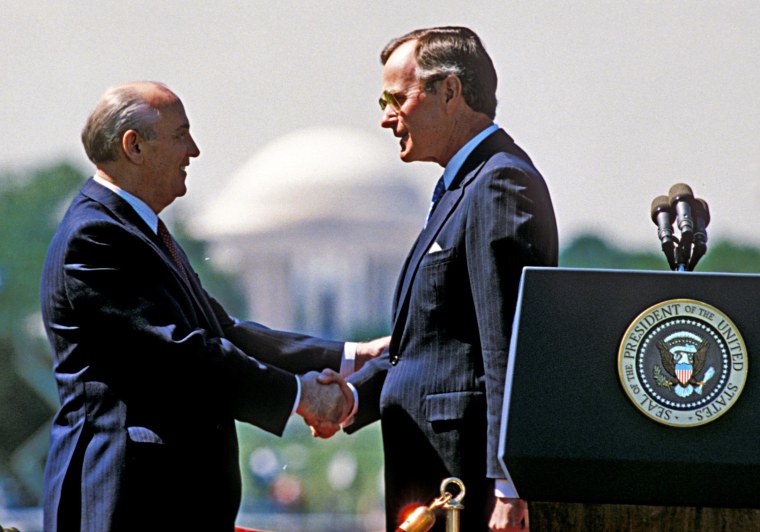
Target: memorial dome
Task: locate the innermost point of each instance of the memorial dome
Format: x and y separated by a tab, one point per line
318	174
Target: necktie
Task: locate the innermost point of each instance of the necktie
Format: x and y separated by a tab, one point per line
171	247
440	188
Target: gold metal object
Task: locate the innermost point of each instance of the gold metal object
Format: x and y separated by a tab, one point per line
453	505
422	518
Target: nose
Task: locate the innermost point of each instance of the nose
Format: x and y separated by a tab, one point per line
389	118
193	150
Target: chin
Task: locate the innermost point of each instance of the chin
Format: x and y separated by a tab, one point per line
407	156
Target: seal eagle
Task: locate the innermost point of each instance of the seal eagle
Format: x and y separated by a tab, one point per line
683	363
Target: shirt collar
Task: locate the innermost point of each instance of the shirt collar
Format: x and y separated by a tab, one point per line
456	162
140	207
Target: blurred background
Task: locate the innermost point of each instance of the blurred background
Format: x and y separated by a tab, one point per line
299	213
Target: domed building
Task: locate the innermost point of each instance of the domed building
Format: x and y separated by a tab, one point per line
316	225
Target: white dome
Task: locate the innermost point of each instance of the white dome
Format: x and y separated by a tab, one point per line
319	174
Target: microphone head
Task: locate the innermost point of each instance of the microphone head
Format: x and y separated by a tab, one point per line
660	204
702	211
680	192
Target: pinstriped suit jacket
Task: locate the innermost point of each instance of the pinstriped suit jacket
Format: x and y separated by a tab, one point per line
151	374
440	404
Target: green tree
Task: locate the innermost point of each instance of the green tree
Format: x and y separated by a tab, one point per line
726	256
588	251
30	207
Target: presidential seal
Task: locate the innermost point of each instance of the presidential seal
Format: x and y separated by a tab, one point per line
683	363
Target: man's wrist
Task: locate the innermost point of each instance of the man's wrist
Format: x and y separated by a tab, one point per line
348	362
504	489
298	396
350	418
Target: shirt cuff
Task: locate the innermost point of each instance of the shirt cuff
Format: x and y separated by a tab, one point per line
350	418
505	489
298	396
349	356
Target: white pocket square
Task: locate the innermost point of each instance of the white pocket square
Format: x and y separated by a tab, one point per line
435	247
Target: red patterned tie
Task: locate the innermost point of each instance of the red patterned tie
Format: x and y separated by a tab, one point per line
166	238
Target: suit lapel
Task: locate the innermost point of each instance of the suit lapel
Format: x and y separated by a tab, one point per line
498	141
447	205
197	291
443	210
135	224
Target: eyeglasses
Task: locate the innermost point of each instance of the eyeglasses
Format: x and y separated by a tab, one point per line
396	101
388	98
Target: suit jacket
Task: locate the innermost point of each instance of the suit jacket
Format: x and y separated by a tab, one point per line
439	391
151	374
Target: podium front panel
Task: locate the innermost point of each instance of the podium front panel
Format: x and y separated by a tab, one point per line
571	431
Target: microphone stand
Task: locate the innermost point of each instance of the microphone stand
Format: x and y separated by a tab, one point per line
662	216
693	216
683	252
702	215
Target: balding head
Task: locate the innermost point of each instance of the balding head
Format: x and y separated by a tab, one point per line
132	106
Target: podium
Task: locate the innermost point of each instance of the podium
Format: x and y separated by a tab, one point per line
632	400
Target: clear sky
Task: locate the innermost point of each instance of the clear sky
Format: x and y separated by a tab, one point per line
614	100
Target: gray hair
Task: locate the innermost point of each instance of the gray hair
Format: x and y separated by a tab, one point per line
453	51
119	110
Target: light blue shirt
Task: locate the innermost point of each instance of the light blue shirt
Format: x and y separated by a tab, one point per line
140	207
456	162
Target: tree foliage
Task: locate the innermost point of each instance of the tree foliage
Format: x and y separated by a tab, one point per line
587	251
29	210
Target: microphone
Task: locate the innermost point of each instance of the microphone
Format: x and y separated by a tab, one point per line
662	216
681	199
702	218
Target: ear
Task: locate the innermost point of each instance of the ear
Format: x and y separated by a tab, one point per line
452	88
130	144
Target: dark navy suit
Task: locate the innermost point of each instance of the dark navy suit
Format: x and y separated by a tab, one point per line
439	391
151	374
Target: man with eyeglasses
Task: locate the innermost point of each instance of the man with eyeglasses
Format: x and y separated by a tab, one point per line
439	390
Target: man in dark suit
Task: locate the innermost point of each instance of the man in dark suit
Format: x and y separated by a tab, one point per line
151	371
439	390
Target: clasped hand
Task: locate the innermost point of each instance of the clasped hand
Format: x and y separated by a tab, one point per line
326	402
326	399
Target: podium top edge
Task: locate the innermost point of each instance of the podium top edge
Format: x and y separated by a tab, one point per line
529	269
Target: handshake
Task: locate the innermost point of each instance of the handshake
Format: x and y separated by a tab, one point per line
326	399
326	402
